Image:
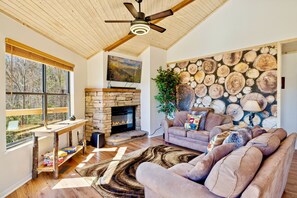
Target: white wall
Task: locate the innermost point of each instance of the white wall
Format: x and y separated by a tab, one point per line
15	166
158	58
152	59
145	93
289	94
97	71
238	24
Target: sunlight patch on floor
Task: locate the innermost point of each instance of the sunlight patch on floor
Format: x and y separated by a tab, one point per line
89	157
74	182
105	179
81	165
96	150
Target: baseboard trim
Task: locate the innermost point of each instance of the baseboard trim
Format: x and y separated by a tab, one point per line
15	186
156	134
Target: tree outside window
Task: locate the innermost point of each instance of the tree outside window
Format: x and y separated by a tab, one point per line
30	88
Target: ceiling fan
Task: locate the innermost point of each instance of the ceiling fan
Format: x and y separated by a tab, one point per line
142	24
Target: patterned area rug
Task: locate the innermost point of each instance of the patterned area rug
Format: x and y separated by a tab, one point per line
116	177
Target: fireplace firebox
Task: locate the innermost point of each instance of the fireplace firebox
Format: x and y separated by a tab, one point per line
122	119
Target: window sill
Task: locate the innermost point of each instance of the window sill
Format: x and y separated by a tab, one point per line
23	145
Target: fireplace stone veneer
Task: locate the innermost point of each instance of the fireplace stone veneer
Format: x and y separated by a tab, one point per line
99	102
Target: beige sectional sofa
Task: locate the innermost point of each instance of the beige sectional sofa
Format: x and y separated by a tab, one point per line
211	125
268	180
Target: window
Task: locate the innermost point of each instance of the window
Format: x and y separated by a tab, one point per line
35	93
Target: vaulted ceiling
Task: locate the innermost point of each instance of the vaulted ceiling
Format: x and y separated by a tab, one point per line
79	24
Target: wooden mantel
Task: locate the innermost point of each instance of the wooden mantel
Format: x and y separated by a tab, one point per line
111	90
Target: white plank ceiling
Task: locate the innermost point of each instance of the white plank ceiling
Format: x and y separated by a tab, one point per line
79	24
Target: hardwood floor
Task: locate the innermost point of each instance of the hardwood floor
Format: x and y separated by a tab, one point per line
70	184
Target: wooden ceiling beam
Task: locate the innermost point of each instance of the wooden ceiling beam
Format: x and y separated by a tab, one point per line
130	36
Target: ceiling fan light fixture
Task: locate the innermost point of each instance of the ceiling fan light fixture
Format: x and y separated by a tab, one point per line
140	28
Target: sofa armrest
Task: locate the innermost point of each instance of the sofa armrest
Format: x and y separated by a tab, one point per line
165	125
219	129
168	184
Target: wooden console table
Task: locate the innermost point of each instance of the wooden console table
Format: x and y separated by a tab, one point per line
54	130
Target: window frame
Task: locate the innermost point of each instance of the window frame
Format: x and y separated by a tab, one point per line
44	95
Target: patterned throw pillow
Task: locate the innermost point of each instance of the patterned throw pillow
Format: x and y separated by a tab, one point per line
193	122
217	140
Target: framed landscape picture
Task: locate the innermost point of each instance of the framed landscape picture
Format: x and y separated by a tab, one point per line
123	70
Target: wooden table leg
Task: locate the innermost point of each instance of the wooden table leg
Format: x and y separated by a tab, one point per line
84	139
70	138
35	157
56	157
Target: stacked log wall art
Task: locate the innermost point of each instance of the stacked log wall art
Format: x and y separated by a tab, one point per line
226	81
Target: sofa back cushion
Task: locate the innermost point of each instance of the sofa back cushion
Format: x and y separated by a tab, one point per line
232	174
200	171
180	118
257	131
279	132
227	119
267	143
213	120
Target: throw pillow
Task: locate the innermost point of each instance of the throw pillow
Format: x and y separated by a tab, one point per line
180	118
267	143
217	140
233	173
200	171
213	120
193	122
257	130
203	115
240	138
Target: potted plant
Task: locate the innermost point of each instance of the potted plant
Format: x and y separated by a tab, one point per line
166	81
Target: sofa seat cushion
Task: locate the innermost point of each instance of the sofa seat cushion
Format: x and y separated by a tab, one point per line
232	174
179	131
213	120
200	171
267	143
181	169
198	135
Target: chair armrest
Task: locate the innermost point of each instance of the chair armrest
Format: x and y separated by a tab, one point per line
219	129
165	125
168	184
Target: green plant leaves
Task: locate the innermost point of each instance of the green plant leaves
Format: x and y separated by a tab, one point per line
166	81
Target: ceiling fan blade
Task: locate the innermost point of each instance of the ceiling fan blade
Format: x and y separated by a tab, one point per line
159	15
118	21
157	28
131	9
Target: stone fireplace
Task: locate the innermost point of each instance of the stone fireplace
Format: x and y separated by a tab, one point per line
103	114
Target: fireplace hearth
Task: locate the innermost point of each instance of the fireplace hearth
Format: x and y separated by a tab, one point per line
122	119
